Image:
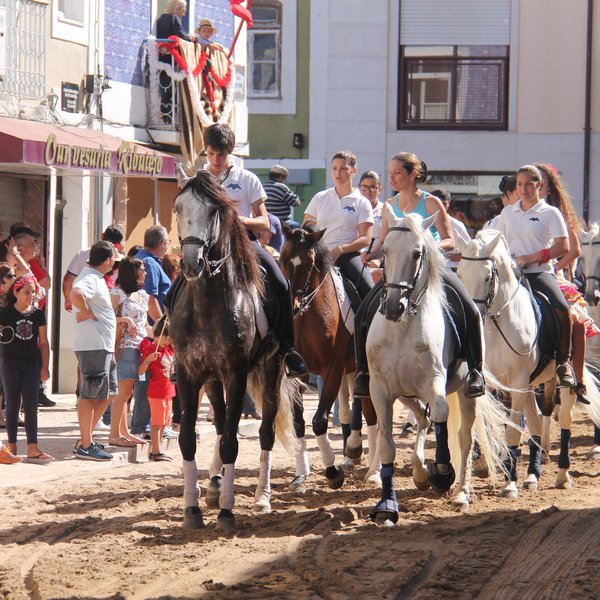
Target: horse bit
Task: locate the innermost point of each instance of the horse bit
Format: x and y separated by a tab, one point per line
213	267
411	305
491	296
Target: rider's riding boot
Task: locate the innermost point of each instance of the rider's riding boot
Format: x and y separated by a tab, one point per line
564	371
475	384
362	322
581	393
294	363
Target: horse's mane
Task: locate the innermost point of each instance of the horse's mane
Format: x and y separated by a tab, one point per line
233	236
438	265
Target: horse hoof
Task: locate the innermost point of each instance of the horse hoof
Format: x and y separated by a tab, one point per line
440	482
461	501
510	491
226	520
594	453
335	477
531	483
422	485
563	480
374	479
263	505
298	484
347	463
354	451
213	492
385	513
192	518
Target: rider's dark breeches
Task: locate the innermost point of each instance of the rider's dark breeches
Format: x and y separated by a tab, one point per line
352	268
369	307
281	289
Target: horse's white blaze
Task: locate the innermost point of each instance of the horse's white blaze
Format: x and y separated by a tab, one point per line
296	261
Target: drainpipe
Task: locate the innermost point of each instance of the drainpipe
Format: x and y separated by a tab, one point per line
588	102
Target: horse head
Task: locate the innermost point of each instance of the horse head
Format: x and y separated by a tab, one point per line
590	257
409	251
198	222
299	256
484	258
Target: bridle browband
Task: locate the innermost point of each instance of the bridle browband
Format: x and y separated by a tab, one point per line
406	288
491	296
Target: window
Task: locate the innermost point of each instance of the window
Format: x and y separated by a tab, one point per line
72	10
264	51
453	87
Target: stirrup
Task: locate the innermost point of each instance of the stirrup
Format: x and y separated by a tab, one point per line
564	375
294	364
361	385
475	384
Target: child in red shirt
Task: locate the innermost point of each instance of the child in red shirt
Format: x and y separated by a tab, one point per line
157	358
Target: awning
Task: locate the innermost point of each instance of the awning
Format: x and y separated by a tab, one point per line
43	144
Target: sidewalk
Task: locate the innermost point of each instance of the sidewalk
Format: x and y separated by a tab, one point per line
58	431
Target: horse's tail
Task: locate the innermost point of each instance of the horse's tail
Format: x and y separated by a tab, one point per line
491	421
289	393
592	384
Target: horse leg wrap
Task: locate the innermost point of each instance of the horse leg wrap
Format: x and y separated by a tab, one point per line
216	465
357	414
535	456
596	436
440	482
226	498
264	478
327	455
388	503
510	463
442	452
302	464
564	462
345	434
191	489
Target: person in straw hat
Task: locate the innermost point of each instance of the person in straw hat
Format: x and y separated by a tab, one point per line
204	32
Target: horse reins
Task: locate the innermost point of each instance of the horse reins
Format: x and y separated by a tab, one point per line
491	296
213	267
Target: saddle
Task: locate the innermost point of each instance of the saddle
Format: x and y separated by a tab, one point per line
549	331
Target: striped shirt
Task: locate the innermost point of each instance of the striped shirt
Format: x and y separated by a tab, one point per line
280	200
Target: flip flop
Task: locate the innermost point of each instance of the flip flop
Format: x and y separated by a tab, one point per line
137	440
122	442
41	459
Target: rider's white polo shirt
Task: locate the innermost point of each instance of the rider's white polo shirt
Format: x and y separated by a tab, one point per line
341	216
530	231
244	188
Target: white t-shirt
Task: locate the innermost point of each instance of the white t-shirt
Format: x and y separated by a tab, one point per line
459	231
96	334
244	188
341	216
530	231
79	261
377	217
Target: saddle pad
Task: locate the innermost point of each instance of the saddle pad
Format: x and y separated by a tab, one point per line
260	315
343	301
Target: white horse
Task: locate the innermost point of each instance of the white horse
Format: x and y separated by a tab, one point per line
410	349
511	335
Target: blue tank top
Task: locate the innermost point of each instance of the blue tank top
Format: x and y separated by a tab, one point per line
419	210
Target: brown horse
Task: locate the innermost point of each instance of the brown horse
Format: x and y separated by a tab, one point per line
321	333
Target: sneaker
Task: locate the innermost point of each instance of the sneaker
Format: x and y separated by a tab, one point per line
407	429
43	400
159	457
102	426
78	445
146	437
7	457
94	452
170	434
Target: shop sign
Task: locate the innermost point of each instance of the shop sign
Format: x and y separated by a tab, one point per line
129	160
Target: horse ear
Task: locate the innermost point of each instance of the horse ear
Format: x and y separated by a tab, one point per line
460	243
491	246
392	219
316	236
182	177
287	230
429	221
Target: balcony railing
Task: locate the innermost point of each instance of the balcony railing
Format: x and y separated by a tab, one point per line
23	49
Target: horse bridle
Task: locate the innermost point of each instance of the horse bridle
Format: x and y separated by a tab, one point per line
592	277
406	288
212	267
491	296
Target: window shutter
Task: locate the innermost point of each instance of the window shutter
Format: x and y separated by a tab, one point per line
456	22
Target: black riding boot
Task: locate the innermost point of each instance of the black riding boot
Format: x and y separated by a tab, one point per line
362	322
294	363
564	372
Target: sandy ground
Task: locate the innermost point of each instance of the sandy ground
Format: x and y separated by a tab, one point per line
84	531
